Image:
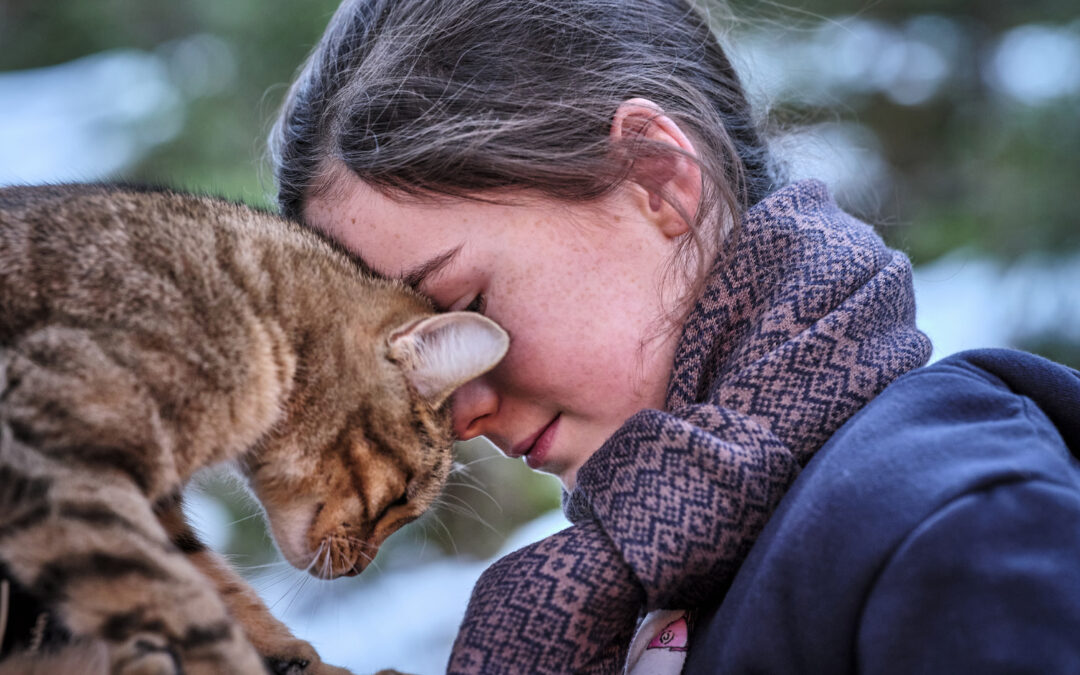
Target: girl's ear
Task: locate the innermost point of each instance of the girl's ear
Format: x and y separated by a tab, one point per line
440	353
666	179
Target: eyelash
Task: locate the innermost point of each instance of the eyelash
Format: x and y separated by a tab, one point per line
478	304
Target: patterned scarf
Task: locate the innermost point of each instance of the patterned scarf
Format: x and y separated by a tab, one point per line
809	319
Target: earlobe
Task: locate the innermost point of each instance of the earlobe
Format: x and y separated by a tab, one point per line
440	353
664	172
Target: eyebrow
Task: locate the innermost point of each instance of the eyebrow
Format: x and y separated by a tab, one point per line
416	276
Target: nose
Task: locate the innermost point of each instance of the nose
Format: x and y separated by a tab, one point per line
474	406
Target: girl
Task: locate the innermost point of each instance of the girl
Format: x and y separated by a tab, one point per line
709	360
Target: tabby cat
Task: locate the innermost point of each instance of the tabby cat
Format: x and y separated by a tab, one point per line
146	334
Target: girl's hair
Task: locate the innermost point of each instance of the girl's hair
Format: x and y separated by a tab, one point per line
468	98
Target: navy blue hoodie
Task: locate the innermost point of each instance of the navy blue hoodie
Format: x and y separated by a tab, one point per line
938	531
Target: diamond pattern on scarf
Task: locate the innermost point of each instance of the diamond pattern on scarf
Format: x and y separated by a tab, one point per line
808	319
728	480
545	593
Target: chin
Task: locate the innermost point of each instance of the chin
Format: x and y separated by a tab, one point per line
289	528
567	476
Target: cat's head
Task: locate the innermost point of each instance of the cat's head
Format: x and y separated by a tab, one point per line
366	445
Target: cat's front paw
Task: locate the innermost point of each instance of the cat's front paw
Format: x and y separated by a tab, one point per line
301	667
279	667
283	667
300	658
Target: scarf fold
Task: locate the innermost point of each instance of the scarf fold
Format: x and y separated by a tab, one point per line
809	319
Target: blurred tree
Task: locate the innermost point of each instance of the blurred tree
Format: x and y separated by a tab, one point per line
222	141
967	165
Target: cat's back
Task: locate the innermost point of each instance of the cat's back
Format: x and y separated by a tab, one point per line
186	309
68	250
115	254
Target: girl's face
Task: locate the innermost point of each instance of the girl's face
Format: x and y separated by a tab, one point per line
578	288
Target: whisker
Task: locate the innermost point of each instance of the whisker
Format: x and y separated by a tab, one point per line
424	543
303	582
459	506
479	460
323	556
443	504
479	489
299	580
371	561
361	545
449	535
467	510
314	559
245	518
463	467
360	542
474	518
269	565
264	583
296	582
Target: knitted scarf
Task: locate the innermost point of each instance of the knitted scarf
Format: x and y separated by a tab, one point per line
809	319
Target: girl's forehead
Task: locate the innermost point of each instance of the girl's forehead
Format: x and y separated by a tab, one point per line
402	236
349	202
395	238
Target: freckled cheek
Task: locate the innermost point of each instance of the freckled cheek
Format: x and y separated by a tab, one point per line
566	337
554	365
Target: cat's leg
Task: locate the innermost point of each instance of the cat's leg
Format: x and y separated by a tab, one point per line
78	530
85	657
283	653
95	554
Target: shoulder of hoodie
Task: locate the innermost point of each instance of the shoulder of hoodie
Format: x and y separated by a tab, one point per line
932	436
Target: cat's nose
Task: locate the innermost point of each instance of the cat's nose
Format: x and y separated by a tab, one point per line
474	406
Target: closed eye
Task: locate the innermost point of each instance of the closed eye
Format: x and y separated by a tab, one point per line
403	500
478	304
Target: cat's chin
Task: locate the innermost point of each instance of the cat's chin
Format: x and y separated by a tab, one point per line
342	556
289	527
337	555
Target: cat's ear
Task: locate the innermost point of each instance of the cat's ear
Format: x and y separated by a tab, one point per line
442	352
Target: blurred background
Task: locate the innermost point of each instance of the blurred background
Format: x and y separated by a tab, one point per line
953	126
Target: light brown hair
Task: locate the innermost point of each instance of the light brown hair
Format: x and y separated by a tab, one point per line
470	98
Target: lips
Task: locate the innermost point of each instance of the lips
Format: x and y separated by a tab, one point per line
535	447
